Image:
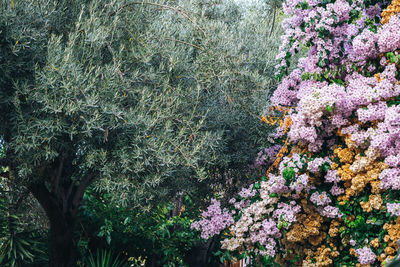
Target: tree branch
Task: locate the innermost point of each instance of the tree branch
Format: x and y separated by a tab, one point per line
67	195
115	62
273	23
56	182
80	190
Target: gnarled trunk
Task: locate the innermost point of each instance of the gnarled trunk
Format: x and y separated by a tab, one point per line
61	205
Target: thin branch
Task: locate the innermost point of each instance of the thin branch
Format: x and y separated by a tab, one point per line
115	62
83	228
182	42
273	23
170	8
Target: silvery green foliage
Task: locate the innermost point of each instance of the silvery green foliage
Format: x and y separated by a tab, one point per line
150	98
237	71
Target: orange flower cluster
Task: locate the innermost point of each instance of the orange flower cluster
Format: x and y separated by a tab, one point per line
374	202
393	233
391	10
307	238
307	227
359	169
284	123
322	257
390	240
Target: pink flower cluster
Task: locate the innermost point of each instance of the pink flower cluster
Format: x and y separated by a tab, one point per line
320	199
214	220
285	214
247	192
388	36
390	179
324	109
266	157
393	208
366	255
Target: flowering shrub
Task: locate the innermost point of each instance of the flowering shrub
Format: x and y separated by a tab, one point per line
335	192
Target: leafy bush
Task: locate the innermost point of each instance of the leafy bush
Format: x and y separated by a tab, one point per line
154	236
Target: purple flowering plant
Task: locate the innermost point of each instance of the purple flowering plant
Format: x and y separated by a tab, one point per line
342	168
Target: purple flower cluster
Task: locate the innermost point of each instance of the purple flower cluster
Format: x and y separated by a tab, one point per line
247	192
286	93
314	165
241	204
372	112
390	179
296	162
277	184
326	29
393	161
266	157
336	190
364	46
332	177
270	248
330	212
286	213
393	208
320	199
389	36
363	95
213	221
366	255
265	236
301	183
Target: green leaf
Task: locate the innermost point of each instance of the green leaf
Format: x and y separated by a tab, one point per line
288	174
329	108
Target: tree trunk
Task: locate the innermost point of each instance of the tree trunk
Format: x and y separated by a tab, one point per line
63	249
61	206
